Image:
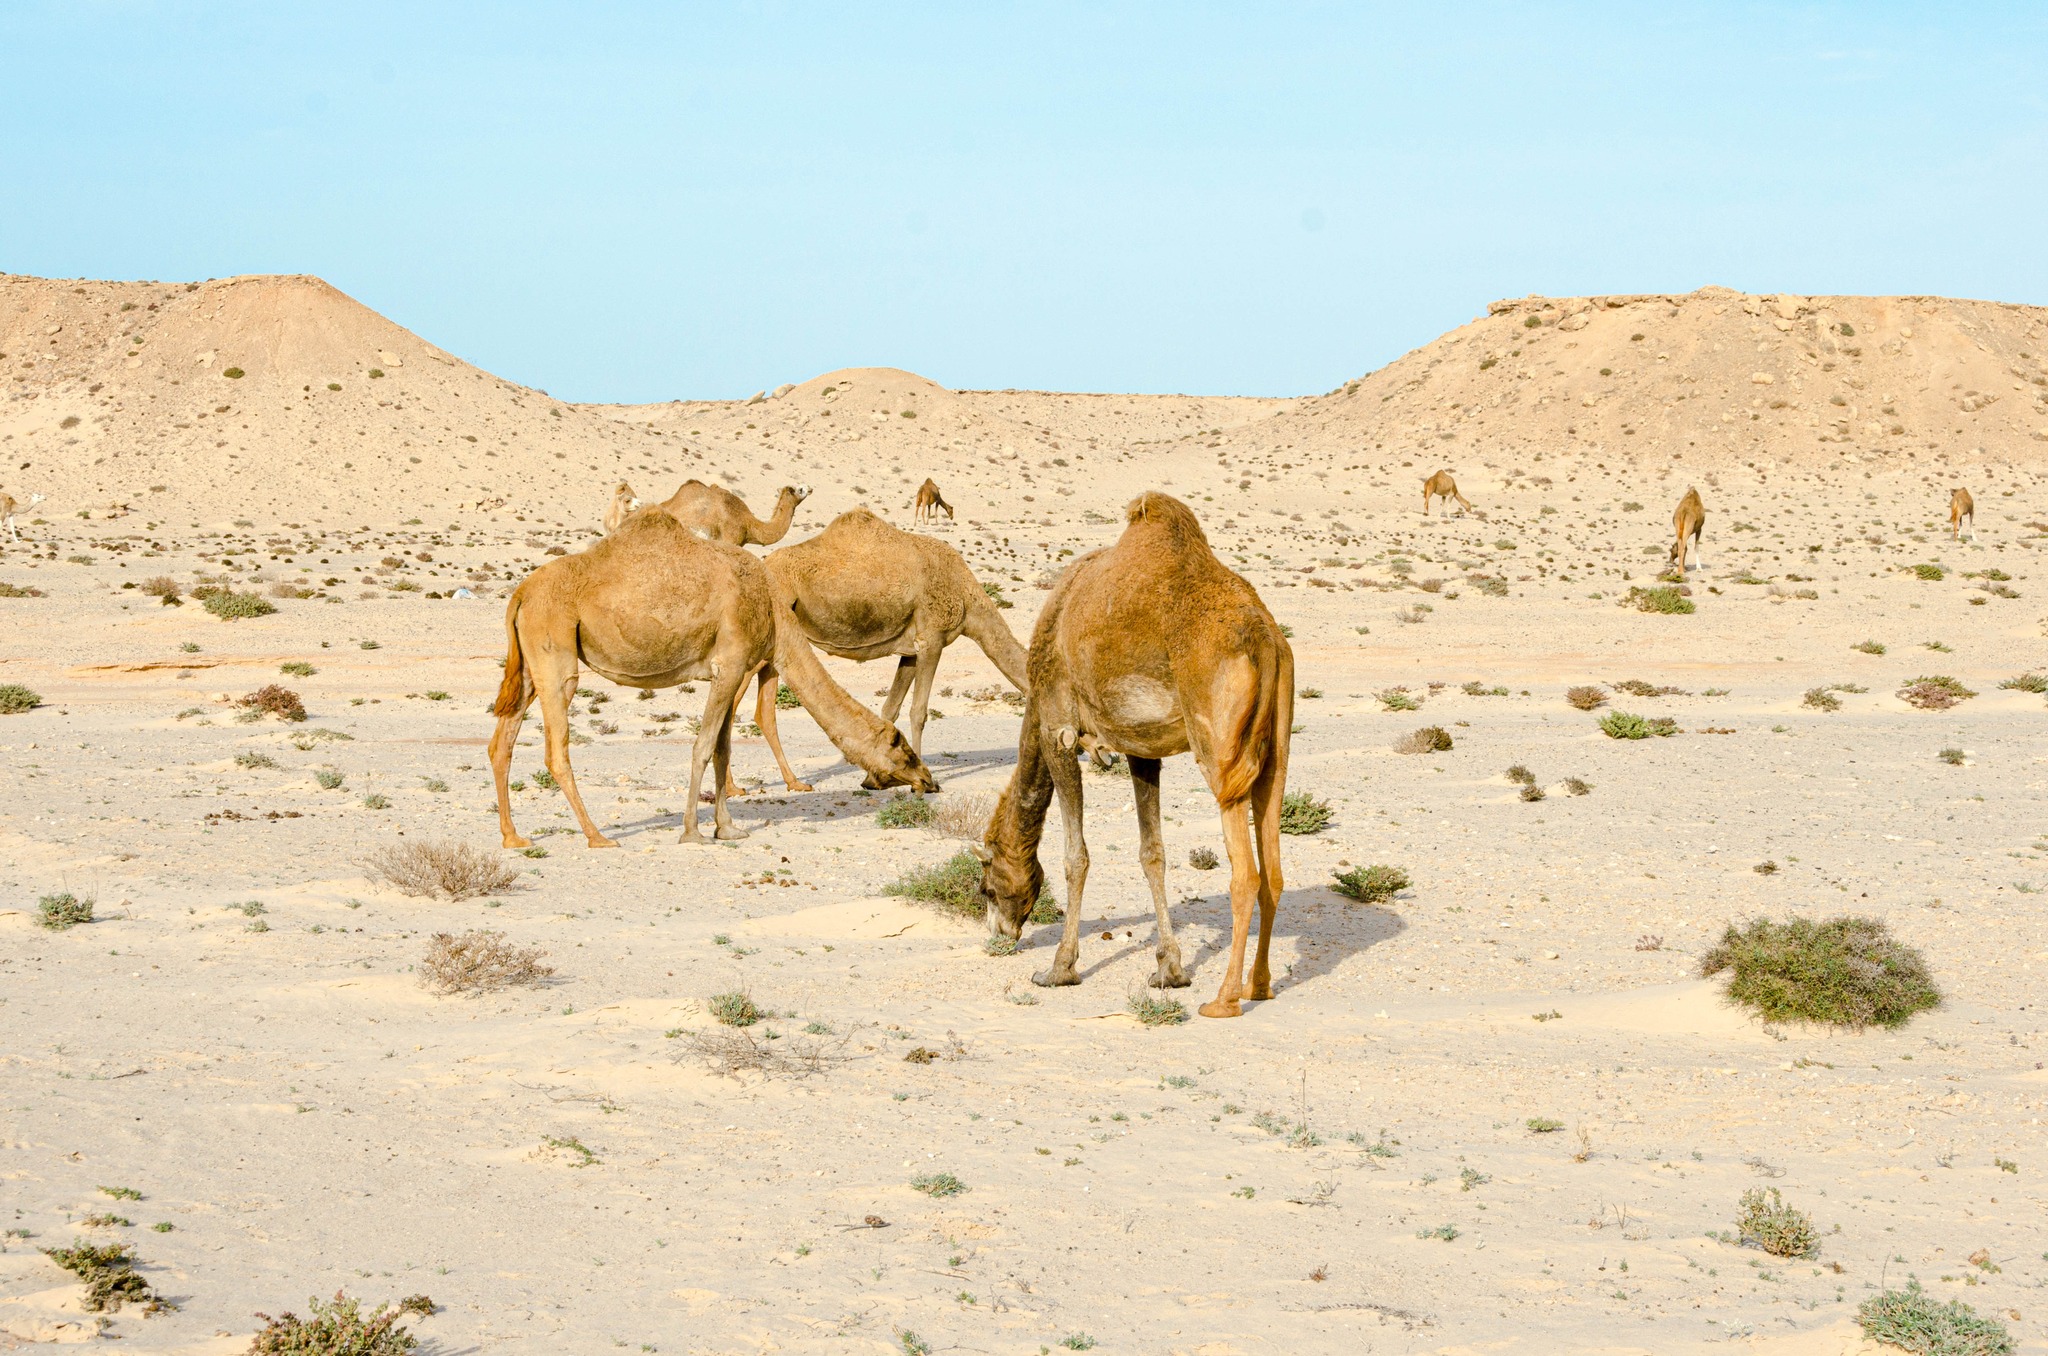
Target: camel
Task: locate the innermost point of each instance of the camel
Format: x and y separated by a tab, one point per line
929	502
1961	506
723	515
863	589
1689	518
651	606
624	501
10	506
1441	486
1153	647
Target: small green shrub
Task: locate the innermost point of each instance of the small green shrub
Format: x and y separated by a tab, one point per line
995	595
1623	725
543	779
938	1185
336	1328
1202	859
255	760
1578	787
376	800
61	911
1153	1010
1868	647
8	590
1923	1325
1934	692
231	606
904	812
1931	573
15	699
1532	793
1544	1125
1846	971
1664	599
1371	884
732	1009
1398	699
1777	1228
328	779
1953	757
297	668
786	698
1820	699
1301	812
107	1271
1520	775
2027	682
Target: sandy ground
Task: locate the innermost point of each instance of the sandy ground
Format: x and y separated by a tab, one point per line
305	1117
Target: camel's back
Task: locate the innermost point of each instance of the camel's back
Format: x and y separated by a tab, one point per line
715	510
860	576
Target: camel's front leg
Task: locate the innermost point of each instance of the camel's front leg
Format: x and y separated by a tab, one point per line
721	776
764	716
556	691
1244	895
921	693
906	669
1066	778
713	729
1152	856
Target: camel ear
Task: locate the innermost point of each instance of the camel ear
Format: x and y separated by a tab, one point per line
981	850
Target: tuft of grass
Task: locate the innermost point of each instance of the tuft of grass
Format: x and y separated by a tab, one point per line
938	1185
297	668
2027	682
255	760
1623	725
1479	689
1301	812
1847	971
954	886
1398	699
1868	647
732	1008
15	699
107	1271
1428	739
121	1193
229	605
1919	1323
1520	775
1820	699
337	1327
1443	1232
1768	1223
1586	697
1577	786
1543	1125
61	911
1934	692
272	700
1202	859
442	870
904	812
1664	599
1371	884
328	779
1153	1010
1953	757
480	961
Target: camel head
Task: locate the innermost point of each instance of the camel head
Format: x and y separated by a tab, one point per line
900	766
35	499
797	493
1010	886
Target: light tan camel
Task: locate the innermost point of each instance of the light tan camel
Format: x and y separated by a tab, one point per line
1961	506
1153	647
624	501
651	606
1441	486
862	589
1688	521
929	502
723	516
10	506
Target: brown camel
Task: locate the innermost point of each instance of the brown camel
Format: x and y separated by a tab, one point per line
1153	647
1961	506
862	589
1687	522
1441	486
10	506
651	606
624	501
723	516
929	502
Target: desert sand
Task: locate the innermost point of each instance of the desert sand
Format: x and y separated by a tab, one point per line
242	1036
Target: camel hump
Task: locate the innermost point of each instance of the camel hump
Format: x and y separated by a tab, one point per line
862	516
1163	510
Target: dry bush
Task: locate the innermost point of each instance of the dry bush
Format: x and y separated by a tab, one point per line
1586	698
1936	692
1428	739
272	700
962	816
733	1051
160	586
444	870
480	961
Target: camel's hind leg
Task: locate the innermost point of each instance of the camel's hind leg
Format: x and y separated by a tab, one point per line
553	674
1267	793
503	740
1244	892
714	744
1066	779
906	669
1152	856
764	716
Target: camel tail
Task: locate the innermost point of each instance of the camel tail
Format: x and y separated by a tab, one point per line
512	691
1263	735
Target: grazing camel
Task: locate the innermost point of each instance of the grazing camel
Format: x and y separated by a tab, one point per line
1153	647
723	516
624	501
10	506
1441	486
862	589
929	502
651	606
1687	521
1961	506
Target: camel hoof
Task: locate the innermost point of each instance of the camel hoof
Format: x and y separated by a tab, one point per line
602	842
1169	979
1219	1008
801	786
1261	992
513	840
1055	978
690	839
729	834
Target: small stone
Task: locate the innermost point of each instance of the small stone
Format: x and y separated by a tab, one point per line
1761	378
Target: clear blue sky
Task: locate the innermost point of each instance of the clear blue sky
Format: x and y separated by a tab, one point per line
639	201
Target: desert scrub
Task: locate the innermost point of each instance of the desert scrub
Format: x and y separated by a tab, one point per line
1153	1010
1868	647
1934	692
1202	859
1768	1223
107	1271
1919	1323
1820	699
938	1185
480	961
958	815
1577	786
335	1328
1371	884
954	886
297	668
1398	699
1520	775
732	1008
255	760
1953	757
1301	812
1933	574
1664	599
61	911
272	700
443	870
229	605
904	812
2027	682
1532	793
995	595
15	699
328	779
1623	725
1428	739
785	698
1586	697
1846	971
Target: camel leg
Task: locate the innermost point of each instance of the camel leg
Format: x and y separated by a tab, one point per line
921	693
764	716
714	729
906	669
1244	891
1266	797
1152	856
503	740
1066	779
721	774
732	788
556	690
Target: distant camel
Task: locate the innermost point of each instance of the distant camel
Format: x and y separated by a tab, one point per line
9	506
1441	486
1961	506
1154	647
863	589
929	502
1690	517
652	606
624	501
724	516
